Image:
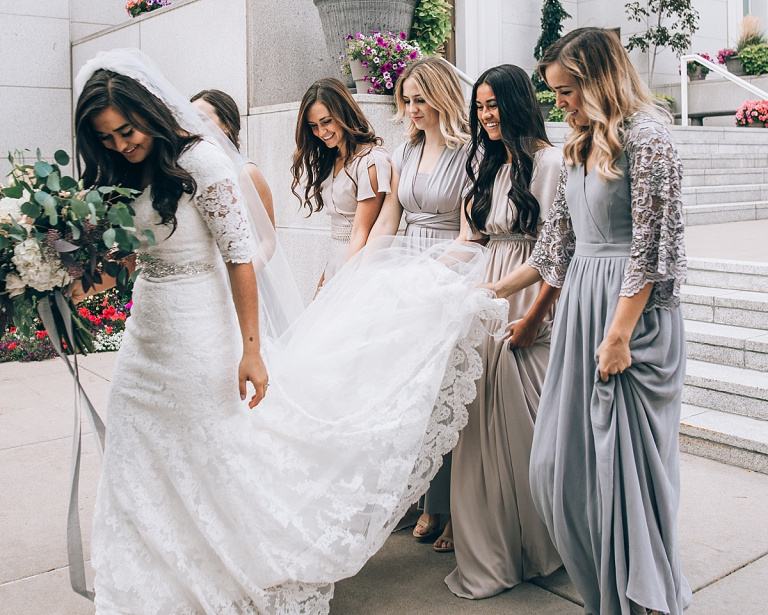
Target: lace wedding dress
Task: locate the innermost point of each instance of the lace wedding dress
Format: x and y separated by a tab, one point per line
205	506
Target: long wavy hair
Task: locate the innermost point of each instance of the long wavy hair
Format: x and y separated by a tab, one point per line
226	110
442	91
522	135
313	158
148	114
611	91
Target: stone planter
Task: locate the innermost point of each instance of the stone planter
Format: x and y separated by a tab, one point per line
342	17
545	109
733	64
359	74
752	125
697	74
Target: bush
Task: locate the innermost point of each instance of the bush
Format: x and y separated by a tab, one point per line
431	25
754	59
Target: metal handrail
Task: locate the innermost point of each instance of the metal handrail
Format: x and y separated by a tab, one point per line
462	77
715	68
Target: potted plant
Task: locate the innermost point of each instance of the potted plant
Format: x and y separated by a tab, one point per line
340	17
696	71
137	7
431	25
752	114
750	34
730	58
377	60
754	59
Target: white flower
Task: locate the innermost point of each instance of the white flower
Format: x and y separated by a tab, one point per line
14	285
377	60
10	208
42	275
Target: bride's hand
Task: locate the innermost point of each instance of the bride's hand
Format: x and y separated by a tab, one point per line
489	286
252	368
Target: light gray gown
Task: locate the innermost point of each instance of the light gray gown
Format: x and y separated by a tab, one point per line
432	206
605	458
500	540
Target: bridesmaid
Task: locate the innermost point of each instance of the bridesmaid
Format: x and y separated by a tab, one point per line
345	167
605	460
500	539
222	109
428	180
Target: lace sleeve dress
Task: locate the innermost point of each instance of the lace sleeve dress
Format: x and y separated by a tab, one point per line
605	459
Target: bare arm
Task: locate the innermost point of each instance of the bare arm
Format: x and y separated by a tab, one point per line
245	294
391	211
265	194
522	334
365	216
514	281
613	353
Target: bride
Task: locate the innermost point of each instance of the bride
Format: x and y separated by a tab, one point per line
205	506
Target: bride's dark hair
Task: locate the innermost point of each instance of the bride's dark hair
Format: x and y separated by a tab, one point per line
522	134
312	156
146	113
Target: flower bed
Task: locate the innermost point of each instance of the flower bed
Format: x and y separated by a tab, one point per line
752	113
137	7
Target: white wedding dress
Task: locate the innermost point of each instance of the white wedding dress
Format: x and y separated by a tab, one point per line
208	507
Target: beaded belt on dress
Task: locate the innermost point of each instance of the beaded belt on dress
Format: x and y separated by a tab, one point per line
153	267
341	234
515	237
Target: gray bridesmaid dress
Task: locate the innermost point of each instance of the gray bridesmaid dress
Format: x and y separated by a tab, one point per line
605	459
499	538
432	205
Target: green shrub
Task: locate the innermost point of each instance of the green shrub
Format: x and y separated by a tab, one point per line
666	101
546	97
556	115
431	25
754	59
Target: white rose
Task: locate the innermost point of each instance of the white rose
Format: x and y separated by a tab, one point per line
10	208
14	285
40	274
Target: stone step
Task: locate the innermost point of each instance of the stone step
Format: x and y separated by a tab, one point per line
721	177
711	160
740	308
727	345
736	275
736	390
737	440
729	193
717	213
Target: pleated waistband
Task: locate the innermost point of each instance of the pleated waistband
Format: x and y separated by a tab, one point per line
602	250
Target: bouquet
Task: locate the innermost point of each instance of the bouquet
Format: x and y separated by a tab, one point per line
752	112
385	55
54	231
137	7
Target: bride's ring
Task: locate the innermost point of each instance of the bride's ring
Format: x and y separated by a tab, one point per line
266	385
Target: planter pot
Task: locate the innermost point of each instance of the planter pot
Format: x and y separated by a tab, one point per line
697	75
752	125
359	74
733	64
545	109
342	17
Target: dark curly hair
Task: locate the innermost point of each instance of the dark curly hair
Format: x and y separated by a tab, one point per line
148	114
522	134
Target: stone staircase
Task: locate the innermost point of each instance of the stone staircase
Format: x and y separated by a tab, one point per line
725	399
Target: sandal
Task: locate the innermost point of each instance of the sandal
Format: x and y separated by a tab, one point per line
446	539
430	529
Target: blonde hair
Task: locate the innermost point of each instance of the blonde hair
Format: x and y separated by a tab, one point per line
442	91
611	92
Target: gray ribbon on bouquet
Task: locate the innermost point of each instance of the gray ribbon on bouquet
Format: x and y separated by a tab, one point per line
77	574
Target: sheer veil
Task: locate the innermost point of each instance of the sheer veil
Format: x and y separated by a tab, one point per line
279	299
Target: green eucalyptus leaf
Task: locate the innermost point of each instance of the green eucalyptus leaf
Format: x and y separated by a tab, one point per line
4	243
75	230
93	197
53	182
61	157
40	197
123	239
135	243
68	183
42	168
17	235
80	208
150	237
13	192
31	210
49	204
109	237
